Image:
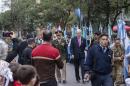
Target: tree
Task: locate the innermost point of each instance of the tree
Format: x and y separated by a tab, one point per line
102	10
27	14
5	21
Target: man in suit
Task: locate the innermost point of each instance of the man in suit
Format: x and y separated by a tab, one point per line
78	45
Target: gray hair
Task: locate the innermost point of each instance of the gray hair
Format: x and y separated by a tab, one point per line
3	49
79	30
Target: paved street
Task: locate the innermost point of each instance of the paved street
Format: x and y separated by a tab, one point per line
71	77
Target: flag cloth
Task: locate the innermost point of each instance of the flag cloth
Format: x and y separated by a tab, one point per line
77	12
84	29
100	28
65	33
109	29
74	29
121	30
90	36
90	31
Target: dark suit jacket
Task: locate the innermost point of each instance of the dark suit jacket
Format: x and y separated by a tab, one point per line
76	50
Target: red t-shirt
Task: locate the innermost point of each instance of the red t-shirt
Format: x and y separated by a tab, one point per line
47	51
16	83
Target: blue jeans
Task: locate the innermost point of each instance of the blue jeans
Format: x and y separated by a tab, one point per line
102	80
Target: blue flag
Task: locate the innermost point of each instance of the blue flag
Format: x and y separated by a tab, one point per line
100	28
109	29
121	30
74	29
65	33
77	12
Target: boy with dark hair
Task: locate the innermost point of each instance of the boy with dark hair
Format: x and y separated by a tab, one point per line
14	67
27	76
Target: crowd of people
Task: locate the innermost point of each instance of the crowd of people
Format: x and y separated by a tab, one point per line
105	62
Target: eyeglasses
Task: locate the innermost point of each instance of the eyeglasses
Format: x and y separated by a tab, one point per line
58	32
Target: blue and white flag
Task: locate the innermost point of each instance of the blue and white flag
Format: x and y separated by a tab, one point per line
78	12
100	28
121	30
74	29
84	28
65	33
49	25
109	29
90	30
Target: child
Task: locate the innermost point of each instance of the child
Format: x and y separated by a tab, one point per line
14	67
27	76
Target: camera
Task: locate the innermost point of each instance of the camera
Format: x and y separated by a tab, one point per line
7	34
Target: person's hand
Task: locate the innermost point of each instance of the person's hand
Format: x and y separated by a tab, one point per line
122	57
13	35
72	57
14	61
62	44
86	77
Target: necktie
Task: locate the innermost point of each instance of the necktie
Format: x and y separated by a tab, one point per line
104	50
79	41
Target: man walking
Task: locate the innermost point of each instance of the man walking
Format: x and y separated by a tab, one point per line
45	58
98	65
78	45
60	44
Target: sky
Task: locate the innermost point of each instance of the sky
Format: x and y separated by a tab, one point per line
2	6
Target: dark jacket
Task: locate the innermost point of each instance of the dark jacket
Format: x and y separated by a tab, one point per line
60	47
76	50
22	45
45	59
27	54
17	50
98	61
12	54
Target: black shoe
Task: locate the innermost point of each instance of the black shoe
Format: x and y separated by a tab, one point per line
64	81
83	81
78	81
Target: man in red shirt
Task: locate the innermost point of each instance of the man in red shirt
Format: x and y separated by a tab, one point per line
45	58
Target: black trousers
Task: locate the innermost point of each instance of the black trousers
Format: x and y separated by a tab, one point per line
51	82
77	64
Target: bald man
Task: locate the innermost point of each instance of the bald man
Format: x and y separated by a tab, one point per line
78	45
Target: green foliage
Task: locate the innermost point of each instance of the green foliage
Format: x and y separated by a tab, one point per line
5	20
27	14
